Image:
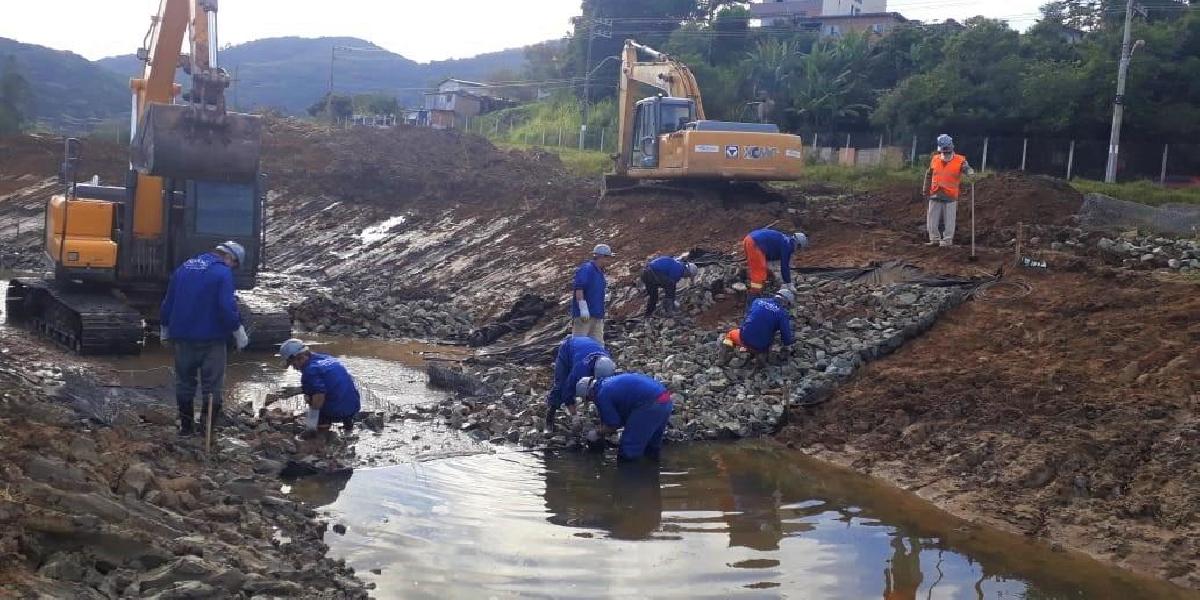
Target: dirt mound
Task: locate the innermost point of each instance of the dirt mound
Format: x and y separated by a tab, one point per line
1002	202
27	158
410	164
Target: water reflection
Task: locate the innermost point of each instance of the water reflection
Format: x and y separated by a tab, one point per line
713	521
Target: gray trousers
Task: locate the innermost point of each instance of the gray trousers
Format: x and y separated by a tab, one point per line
593	328
201	363
943	214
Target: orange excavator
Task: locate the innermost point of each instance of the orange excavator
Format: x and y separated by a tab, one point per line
665	141
194	182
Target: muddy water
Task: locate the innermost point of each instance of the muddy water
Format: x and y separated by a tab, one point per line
714	521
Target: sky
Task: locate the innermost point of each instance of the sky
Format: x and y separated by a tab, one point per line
417	29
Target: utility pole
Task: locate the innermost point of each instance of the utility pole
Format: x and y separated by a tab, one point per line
587	73
1114	139
329	96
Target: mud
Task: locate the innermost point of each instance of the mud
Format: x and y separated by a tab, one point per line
1045	368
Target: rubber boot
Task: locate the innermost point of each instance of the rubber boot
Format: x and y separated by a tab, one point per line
760	360
187	426
724	355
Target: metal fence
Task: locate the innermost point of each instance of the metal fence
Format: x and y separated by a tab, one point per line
1169	164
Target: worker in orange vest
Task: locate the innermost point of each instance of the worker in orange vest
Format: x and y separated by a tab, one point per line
946	170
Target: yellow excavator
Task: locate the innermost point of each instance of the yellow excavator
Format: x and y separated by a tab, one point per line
665	140
194	182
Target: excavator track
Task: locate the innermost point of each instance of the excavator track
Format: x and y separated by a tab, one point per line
76	318
267	324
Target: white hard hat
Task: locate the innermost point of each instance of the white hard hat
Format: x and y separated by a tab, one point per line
788	296
290	349
584	387
235	250
602	250
944	141
801	240
692	269
604	367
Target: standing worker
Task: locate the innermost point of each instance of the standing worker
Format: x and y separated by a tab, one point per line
946	171
765	317
199	314
587	301
578	357
637	402
327	387
767	245
664	272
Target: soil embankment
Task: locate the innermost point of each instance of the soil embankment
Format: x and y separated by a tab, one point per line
1059	402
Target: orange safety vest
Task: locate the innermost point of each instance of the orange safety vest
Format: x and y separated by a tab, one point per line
947	175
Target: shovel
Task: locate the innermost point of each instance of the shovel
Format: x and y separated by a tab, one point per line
973	257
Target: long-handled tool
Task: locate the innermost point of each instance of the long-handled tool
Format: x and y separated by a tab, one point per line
973	257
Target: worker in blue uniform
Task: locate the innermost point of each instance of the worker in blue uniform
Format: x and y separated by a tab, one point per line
587	294
578	357
639	404
329	389
199	315
765	317
663	273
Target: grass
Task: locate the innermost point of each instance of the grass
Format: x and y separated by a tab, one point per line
1142	192
585	163
849	180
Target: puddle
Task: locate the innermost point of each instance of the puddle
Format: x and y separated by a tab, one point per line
714	521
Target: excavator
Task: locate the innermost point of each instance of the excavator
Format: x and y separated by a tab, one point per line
666	143
194	182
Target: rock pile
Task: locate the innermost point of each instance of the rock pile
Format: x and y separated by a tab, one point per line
839	326
1147	252
130	510
376	311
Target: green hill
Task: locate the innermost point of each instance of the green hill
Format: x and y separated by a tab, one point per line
69	92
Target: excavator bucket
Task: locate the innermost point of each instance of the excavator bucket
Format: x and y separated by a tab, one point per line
180	142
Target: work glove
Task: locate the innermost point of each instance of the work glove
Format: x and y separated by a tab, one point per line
164	335
311	419
584	315
240	338
593	436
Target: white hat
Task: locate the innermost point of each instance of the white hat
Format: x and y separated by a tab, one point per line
584	387
602	250
290	349
235	250
801	240
604	367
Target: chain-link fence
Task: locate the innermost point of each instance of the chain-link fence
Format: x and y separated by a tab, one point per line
1168	164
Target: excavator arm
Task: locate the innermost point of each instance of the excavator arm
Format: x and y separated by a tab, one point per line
662	72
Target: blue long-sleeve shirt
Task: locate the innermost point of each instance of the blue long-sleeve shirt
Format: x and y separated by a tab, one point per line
325	374
671	268
764	318
576	357
200	305
776	246
618	396
589	278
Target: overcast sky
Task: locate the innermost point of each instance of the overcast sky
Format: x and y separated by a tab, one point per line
421	30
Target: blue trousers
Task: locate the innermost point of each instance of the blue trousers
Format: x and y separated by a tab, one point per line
644	431
202	365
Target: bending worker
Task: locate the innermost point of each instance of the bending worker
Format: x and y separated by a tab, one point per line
578	357
946	173
767	245
327	387
765	317
199	314
664	272
587	301
636	402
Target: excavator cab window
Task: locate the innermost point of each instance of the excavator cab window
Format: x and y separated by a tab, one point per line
224	209
675	115
645	138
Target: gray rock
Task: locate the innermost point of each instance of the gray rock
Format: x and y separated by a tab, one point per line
184	568
186	590
135	479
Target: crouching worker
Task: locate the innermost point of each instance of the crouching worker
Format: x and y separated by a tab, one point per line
664	272
638	403
578	357
765	317
327	387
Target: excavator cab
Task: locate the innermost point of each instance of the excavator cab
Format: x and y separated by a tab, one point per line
655	117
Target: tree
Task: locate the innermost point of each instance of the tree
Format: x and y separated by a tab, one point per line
15	97
341	107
